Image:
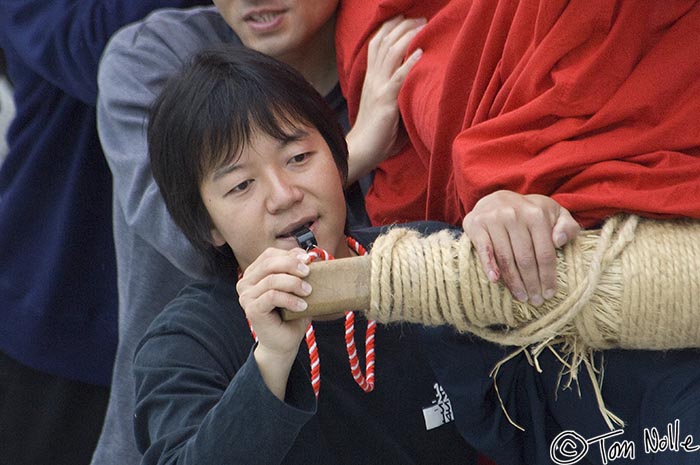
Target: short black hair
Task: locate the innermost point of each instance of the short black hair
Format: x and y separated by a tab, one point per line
205	117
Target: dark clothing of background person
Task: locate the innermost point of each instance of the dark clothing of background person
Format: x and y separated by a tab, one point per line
58	297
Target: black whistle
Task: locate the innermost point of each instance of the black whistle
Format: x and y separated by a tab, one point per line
305	238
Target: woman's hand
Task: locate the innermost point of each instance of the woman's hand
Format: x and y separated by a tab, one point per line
515	237
275	280
377	132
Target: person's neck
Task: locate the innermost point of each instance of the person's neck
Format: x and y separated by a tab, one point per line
345	251
317	61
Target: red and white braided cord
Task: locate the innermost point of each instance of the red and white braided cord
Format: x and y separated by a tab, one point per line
365	382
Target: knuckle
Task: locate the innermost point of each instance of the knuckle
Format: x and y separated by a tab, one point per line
272	298
507	215
527	261
482	248
547	257
475	221
504	261
535	213
285	300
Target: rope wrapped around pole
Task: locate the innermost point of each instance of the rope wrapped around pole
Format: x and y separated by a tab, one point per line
634	284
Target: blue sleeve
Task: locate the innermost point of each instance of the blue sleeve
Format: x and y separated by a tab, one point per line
189	411
62	41
134	68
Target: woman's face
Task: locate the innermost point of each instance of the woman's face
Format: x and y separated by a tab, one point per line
280	28
273	188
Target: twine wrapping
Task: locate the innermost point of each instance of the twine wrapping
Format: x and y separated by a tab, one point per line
629	285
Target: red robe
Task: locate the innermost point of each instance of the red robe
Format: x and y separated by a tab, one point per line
593	102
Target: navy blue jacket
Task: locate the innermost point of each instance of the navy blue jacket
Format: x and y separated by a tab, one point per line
656	394
201	398
58	296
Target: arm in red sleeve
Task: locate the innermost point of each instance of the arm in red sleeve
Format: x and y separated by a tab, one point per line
594	105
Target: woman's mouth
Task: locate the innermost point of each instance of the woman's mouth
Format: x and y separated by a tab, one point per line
264	21
296	230
305	238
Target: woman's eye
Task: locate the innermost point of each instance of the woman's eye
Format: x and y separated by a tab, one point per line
300	158
241	187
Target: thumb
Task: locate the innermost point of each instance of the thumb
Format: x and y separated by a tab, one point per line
565	228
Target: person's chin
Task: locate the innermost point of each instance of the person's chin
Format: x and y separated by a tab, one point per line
274	45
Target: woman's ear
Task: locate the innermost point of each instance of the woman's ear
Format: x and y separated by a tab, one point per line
216	238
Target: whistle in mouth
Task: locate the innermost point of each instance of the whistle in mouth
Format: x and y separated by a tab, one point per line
305	238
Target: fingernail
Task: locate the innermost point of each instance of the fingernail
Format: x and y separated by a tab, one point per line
560	239
301	305
492	275
417	53
306	287
549	293
520	295
303	267
536	300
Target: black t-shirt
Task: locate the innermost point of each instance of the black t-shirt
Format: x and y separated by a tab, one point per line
200	396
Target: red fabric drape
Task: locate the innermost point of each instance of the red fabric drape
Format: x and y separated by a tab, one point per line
594	102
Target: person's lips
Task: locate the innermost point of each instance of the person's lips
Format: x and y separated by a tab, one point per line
264	20
308	222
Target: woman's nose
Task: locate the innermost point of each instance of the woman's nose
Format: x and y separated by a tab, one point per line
283	193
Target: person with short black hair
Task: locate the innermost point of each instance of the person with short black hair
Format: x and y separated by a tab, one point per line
244	152
154	259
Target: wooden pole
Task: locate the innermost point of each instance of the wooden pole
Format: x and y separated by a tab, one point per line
337	286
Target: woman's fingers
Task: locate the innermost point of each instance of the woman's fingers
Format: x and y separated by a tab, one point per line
509	256
275	279
388	48
566	228
520	233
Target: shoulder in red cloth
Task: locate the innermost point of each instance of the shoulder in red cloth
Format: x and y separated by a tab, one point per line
594	104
